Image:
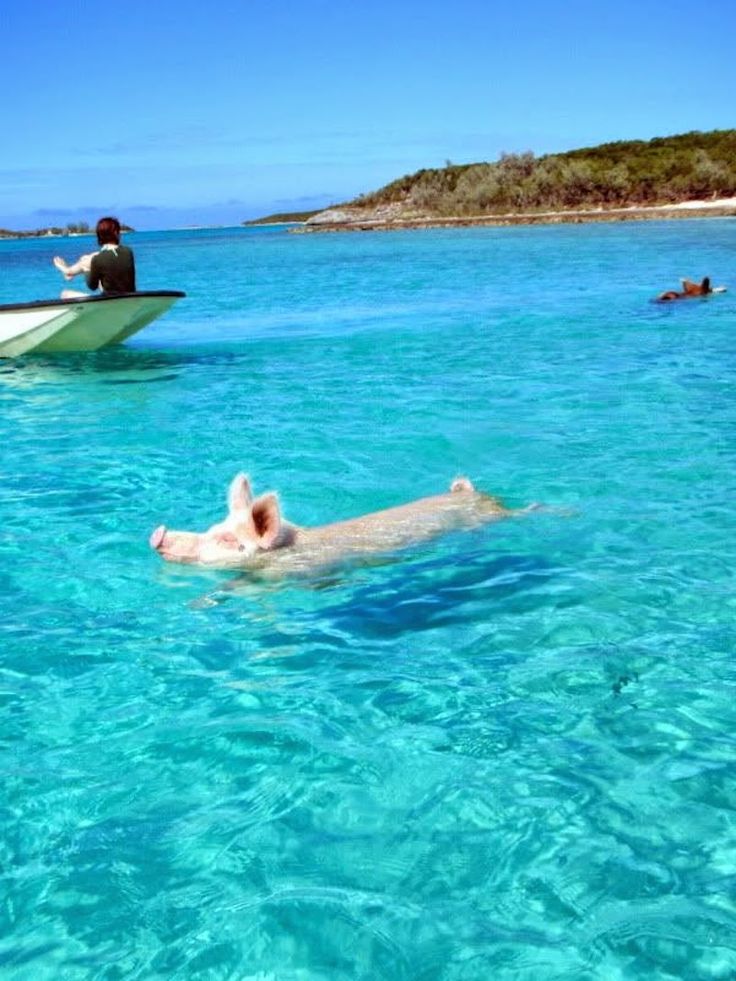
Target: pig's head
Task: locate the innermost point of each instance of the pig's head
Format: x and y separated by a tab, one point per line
252	526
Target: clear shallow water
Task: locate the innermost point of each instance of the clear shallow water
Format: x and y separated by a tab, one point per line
508	753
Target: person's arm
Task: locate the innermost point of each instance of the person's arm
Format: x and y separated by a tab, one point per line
82	265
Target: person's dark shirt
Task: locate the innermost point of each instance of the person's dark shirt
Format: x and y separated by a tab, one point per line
113	270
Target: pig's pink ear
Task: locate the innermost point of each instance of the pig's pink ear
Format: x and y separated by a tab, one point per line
239	495
266	520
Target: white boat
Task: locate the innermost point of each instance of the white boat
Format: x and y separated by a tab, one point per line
83	323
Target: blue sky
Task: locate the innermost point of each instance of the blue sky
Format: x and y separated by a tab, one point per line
174	113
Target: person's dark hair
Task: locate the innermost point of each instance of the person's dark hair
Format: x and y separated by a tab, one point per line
705	285
108	231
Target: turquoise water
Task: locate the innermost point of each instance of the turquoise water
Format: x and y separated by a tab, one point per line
509	753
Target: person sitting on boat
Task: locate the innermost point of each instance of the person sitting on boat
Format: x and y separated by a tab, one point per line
689	288
112	269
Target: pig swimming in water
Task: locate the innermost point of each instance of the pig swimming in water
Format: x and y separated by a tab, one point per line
255	536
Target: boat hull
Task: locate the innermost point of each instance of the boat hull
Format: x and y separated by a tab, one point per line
83	323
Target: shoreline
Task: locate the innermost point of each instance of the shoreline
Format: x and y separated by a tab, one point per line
6	235
723	208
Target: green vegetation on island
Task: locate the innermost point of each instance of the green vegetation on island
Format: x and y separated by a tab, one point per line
284	218
665	170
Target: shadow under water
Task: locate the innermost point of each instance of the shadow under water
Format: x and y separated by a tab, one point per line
395	594
118	365
424	595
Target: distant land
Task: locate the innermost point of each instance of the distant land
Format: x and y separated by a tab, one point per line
687	175
53	231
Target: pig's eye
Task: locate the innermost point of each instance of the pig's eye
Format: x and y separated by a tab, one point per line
241	547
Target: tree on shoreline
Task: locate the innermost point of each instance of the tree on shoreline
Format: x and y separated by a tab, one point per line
71	228
665	170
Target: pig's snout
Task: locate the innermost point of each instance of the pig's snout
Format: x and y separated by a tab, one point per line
156	539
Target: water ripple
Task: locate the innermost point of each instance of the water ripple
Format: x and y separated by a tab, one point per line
503	754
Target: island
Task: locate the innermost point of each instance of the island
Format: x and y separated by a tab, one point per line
284	218
683	176
72	229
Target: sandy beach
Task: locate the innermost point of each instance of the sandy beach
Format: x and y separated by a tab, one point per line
353	219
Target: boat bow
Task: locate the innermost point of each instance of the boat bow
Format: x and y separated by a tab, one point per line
83	323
